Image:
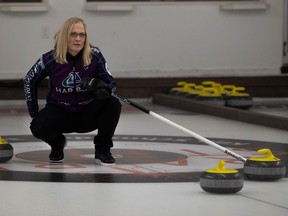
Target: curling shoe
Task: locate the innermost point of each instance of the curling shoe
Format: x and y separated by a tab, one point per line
57	152
104	158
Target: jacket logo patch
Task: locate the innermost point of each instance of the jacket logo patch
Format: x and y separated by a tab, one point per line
72	80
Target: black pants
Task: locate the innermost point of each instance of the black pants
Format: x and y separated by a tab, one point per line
52	121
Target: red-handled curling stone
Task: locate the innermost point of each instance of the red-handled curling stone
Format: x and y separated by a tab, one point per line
264	168
6	151
221	180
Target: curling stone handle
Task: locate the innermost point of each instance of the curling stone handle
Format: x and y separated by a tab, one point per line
181	83
210	83
267	152
220	165
2	141
188	86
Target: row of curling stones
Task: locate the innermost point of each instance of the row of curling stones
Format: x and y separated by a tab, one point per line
6	151
198	92
223	180
235	96
214	93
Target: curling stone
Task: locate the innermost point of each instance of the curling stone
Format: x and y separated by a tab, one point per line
218	87
193	91
187	87
238	99
264	168
6	151
221	180
210	95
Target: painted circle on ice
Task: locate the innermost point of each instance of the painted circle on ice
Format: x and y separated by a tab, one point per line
138	159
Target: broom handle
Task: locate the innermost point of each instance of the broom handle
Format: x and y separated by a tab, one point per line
193	134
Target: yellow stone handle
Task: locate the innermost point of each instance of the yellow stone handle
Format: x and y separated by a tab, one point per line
220	165
220	168
268	156
267	152
2	141
181	83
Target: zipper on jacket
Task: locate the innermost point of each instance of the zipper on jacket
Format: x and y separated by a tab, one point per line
75	86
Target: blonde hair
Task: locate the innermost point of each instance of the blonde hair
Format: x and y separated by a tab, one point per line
61	42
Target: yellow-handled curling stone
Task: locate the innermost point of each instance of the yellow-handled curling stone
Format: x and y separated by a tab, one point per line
6	151
221	179
238	98
209	95
257	171
264	168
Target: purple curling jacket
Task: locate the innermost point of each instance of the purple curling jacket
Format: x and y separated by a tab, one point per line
65	79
